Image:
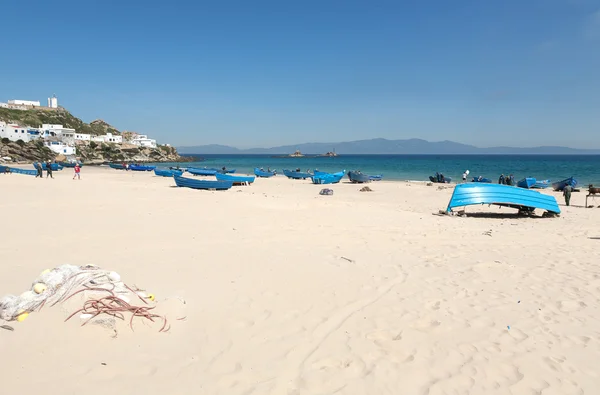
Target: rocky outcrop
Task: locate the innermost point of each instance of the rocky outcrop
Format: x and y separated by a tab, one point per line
101	127
24	152
96	153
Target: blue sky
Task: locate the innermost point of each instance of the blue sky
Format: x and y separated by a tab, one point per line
267	73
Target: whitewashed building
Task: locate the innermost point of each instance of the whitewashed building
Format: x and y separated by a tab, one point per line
143	141
60	147
53	102
24	103
15	132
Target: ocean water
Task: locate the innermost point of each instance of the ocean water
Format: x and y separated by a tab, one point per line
585	168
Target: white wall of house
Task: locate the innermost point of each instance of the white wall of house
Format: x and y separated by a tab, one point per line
83	137
60	148
24	103
15	132
143	141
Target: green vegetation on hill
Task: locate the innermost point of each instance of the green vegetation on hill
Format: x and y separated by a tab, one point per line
37	117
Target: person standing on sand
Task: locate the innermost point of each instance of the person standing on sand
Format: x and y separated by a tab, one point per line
501	179
49	169
464	177
77	172
38	167
567	194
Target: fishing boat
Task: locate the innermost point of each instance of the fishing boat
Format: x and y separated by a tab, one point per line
222	170
264	174
560	185
377	177
358	177
445	180
502	195
327	178
53	166
237	180
481	180
526	182
141	168
167	172
201	172
71	164
323	173
541	184
296	175
202	184
117	166
16	170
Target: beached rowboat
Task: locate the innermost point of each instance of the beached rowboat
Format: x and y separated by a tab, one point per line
202	184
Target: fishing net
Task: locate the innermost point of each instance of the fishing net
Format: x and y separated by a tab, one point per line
103	293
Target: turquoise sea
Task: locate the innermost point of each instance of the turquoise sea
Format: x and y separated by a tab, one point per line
585	168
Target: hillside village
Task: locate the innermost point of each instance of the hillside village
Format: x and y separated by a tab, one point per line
29	124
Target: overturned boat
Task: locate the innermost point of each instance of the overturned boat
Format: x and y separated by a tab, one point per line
525	200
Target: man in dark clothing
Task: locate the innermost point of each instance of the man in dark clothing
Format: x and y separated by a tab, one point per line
567	194
40	172
501	179
49	169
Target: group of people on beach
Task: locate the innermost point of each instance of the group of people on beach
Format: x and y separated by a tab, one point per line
507	180
40	170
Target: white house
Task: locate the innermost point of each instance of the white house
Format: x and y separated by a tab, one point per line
14	132
108	138
24	103
53	102
143	141
3	105
60	147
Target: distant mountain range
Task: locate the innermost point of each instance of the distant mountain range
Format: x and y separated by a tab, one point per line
384	146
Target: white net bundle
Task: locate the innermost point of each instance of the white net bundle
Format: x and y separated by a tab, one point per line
105	295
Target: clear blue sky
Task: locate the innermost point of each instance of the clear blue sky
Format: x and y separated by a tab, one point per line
265	73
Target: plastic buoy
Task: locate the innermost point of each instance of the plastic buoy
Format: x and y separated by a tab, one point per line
22	316
151	297
39	288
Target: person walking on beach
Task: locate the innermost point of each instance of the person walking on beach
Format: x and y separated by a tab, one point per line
49	169
567	194
77	172
38	167
464	177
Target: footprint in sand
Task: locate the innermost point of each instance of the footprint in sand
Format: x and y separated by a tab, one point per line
569	306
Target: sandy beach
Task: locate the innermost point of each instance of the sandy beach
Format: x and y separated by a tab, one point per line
273	289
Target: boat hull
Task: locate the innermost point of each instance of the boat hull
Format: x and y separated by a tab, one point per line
141	168
326	178
560	185
117	166
53	166
358	177
226	171
167	172
447	180
296	175
543	184
263	174
202	184
481	180
526	183
16	170
237	180
201	172
501	195
70	164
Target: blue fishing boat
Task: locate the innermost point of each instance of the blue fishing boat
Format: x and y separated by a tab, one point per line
327	178
502	195
237	180
376	177
70	164
201	172
202	184
16	170
323	173
117	166
264	174
223	170
167	172
526	182
560	185
53	166
358	177
482	180
141	168
296	175
541	184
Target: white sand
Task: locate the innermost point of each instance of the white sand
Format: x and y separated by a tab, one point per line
421	306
